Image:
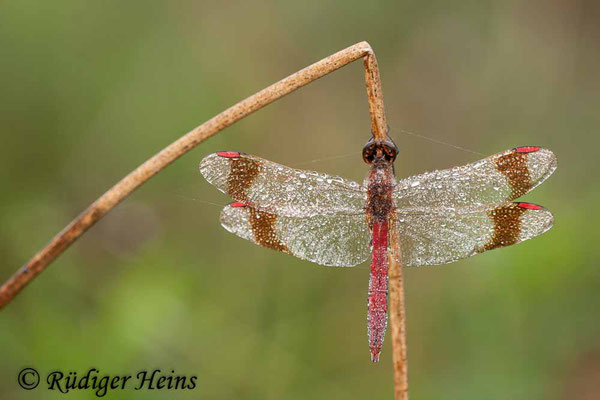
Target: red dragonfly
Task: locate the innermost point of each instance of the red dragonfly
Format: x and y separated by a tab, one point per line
440	216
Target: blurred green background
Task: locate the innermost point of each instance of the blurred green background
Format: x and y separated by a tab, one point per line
89	90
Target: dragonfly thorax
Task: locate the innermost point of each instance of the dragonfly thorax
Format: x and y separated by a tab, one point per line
380	185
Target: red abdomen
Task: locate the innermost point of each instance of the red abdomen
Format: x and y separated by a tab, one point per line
378	289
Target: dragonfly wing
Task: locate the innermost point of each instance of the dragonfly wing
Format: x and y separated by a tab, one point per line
280	190
499	178
437	236
332	240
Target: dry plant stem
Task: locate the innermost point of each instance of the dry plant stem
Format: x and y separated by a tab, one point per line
176	149
398	319
221	121
375	96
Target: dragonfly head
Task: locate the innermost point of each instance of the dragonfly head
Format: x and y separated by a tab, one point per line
379	152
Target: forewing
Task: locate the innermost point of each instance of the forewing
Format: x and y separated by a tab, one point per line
334	240
431	236
277	189
499	178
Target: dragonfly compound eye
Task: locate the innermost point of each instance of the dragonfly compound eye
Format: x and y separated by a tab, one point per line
369	155
368	151
389	151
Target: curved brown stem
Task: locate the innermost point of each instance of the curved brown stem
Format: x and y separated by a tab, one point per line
398	318
187	142
375	97
221	121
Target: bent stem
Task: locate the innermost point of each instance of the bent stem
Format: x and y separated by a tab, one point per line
172	152
398	317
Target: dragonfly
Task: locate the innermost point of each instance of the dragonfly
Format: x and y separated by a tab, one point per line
438	217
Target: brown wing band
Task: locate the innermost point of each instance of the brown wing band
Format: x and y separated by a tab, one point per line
514	167
242	173
263	228
507	225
